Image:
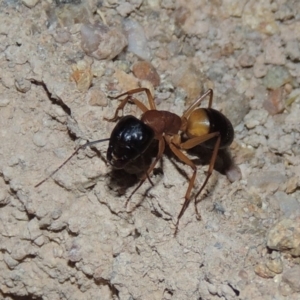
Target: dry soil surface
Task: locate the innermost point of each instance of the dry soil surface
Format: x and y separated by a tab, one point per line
62	64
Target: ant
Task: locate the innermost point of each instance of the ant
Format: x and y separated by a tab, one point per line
131	137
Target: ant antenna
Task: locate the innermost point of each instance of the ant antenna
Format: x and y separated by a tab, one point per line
81	147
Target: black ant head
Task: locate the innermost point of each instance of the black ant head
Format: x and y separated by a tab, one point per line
129	139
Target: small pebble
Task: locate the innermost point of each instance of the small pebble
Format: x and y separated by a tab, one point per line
212	289
137	42
234	173
293	50
101	41
20	215
34	229
10	262
22	85
58	111
258	16
181	14
217	71
260	69
88	270
4	101
17	55
62	36
40	139
275	265
73	227
145	71
287	204
82	75
124	9
75	253
235	106
8	173
191	80
126	81
57	225
246	60
274	103
56	214
227	292
255	118
285	236
96	97
274	53
68	14
285	12
21	250
291	277
39	241
292	185
13	161
276	77
263	271
4	199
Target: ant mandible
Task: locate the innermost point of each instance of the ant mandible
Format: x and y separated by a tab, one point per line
131	137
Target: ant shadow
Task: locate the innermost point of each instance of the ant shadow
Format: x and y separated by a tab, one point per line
121	180
223	163
124	179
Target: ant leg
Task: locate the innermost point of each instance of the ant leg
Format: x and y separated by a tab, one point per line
161	149
197	103
209	171
196	141
187	201
138	103
76	151
188	145
193	142
139	90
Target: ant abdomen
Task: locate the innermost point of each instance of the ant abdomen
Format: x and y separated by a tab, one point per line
208	120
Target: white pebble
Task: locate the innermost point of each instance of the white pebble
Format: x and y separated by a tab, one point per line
137	42
40	139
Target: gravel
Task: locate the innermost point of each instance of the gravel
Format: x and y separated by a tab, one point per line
62	63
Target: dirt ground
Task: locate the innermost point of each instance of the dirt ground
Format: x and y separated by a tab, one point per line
62	64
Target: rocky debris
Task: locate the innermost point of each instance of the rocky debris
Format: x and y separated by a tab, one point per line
137	41
96	97
73	237
274	103
191	80
272	266
102	42
82	75
276	77
126	81
291	277
285	236
143	70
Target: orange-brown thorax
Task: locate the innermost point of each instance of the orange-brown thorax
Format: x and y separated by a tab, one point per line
162	122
